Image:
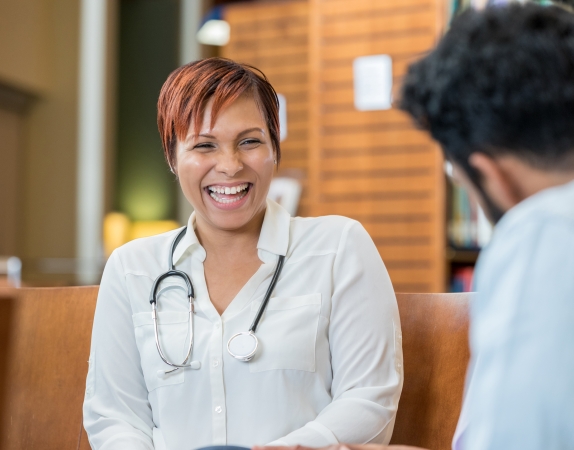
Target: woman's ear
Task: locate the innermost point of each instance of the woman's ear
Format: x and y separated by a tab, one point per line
172	162
173	169
497	182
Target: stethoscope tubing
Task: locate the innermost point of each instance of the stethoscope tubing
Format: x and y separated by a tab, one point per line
185	362
173	272
270	289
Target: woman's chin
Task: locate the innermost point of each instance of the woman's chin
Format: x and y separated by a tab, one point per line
231	216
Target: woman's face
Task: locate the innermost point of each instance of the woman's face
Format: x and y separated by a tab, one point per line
225	171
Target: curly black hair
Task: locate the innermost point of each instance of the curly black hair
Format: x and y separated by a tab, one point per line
500	81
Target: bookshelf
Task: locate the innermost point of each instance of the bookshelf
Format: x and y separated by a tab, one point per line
468	230
462	255
373	166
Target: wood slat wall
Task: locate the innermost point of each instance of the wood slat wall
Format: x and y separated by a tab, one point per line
374	166
273	36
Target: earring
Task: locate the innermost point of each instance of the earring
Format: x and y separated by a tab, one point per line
275	161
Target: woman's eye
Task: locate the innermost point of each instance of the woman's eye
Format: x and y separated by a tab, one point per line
204	146
250	142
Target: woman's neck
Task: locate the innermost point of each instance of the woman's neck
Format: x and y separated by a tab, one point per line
231	258
219	244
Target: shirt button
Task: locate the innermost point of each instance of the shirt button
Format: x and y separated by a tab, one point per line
215	363
218	409
217	326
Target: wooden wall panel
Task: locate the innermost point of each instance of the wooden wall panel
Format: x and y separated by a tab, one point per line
273	36
374	166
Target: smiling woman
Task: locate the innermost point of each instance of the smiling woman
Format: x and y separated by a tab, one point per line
321	361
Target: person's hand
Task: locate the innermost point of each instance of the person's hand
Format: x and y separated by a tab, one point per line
342	447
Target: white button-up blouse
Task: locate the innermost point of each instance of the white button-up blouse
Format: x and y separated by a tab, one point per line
329	363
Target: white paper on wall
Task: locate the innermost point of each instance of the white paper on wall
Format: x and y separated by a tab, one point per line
373	82
286	192
282	117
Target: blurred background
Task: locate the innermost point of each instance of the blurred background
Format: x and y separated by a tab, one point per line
81	164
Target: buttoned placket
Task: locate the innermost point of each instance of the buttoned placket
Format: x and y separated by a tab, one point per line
216	342
215	367
217	387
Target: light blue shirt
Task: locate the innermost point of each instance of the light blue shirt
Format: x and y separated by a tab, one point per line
520	394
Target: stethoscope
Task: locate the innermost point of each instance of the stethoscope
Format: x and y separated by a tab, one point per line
241	346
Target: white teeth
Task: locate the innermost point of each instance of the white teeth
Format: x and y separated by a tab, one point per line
228	190
240	189
214	196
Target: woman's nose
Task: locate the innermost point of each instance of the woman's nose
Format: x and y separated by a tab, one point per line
229	163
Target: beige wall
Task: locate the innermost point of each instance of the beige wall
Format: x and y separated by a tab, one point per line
10	144
24	47
39	56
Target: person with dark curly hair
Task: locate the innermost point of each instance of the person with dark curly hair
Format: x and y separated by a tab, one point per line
498	95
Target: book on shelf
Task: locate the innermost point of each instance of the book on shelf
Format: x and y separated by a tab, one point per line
468	227
462	279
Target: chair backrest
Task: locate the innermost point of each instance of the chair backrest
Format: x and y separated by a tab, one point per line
48	350
45	337
436	354
7	299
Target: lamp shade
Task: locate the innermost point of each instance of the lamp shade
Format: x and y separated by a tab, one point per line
214	30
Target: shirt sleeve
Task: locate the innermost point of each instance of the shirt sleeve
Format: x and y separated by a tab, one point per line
523	333
117	414
366	354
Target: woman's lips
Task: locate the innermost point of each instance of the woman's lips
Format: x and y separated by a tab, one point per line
230	196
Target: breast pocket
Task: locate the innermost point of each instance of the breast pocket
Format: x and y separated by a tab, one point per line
287	334
173	331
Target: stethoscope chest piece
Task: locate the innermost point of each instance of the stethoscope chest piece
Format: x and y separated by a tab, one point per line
243	346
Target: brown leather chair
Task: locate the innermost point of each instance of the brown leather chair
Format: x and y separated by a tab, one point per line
435	352
7	299
48	346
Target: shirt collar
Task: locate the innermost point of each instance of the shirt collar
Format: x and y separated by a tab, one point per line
189	241
274	237
556	198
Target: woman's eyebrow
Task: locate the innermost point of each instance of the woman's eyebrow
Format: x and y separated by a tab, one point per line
249	130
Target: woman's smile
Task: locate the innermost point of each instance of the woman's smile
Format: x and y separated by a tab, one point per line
229	196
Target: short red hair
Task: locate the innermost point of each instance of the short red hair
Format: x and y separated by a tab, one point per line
187	90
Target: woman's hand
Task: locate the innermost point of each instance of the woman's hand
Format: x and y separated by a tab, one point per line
342	447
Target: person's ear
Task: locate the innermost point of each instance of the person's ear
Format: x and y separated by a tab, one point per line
496	182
